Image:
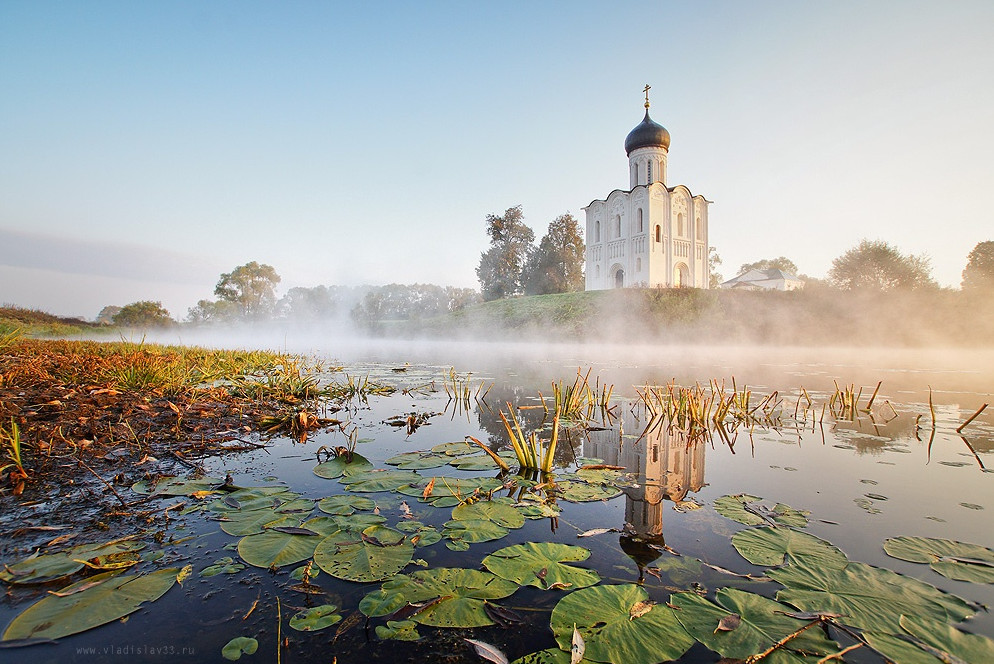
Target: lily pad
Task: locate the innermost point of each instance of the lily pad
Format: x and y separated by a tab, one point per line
345	505
761	623
89	603
52	566
481	461
542	565
418	460
869	597
471	531
238	646
373	555
947	639
225	565
581	492
275	498
458	488
749	511
400	630
547	656
458	448
960	561
342	465
603	615
769	546
273	548
501	513
460	593
251	522
315	618
379	480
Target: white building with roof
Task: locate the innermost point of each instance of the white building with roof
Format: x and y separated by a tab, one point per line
772	279
652	234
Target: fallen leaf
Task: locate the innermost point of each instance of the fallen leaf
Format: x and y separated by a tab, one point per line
487	651
598	531
728	623
428	489
639	609
577	647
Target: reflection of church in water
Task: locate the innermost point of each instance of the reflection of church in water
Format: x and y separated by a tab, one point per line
667	468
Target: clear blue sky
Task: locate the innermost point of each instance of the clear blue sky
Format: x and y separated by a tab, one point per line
146	147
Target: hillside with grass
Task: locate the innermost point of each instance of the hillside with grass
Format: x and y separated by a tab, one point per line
818	316
32	322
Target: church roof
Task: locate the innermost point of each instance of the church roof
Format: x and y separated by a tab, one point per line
647	134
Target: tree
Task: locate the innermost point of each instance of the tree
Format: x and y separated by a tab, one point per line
501	266
978	277
252	287
106	315
143	314
714	260
780	263
878	266
557	265
210	311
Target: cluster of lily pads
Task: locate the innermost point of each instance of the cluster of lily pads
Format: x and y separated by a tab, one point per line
824	596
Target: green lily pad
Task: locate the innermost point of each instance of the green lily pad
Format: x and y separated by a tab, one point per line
315	618
176	486
960	561
251	522
225	565
897	649
542	565
273	548
342	465
458	448
458	488
418	460
238	646
769	546
379	480
481	461
603	616
381	603
358	522
761	624
501	513
461	595
947	639
400	630
52	566
548	656
275	498
376	554
869	597
89	603
581	492
345	505
748	511
472	531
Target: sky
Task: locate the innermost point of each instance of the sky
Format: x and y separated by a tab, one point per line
146	148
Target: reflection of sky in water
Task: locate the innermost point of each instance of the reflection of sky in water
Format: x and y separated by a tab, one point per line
825	467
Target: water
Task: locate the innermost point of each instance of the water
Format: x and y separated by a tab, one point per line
863	481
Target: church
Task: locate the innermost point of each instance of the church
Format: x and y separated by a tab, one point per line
651	235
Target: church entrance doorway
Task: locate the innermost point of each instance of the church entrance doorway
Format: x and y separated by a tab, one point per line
619	278
681	276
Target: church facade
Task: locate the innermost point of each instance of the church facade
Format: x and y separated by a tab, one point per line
651	235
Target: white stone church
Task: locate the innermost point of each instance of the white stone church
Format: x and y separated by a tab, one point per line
652	235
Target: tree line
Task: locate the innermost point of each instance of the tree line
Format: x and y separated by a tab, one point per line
513	265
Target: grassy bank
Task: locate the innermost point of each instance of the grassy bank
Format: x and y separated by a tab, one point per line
817	316
30	322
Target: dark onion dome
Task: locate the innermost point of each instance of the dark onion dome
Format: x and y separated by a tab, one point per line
647	134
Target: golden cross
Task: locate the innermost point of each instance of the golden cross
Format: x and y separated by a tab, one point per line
646	91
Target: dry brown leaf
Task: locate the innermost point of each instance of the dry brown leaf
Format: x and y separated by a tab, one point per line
639	609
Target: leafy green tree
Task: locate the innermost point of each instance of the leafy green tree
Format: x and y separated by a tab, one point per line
978	277
501	266
106	315
210	311
780	263
143	314
878	266
252	287
556	266
714	260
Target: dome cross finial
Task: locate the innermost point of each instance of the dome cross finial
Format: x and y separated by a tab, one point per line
646	91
